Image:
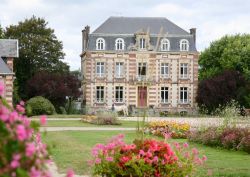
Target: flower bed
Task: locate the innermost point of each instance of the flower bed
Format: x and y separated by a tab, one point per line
171	128
229	138
144	159
102	118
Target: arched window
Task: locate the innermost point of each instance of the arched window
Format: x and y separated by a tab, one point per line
119	44
100	44
184	45
165	45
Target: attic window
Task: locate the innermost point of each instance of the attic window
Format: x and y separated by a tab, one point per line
100	44
184	45
142	43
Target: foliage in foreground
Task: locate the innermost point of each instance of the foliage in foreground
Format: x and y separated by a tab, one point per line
22	153
39	105
144	159
229	137
171	128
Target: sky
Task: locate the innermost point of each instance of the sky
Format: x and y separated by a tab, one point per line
212	18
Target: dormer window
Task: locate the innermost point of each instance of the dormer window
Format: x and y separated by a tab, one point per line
100	44
184	45
165	45
142	43
119	44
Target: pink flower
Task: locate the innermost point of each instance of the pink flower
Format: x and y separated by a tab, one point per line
70	173
43	119
109	159
185	145
34	172
167	135
1	88
195	151
22	103
20	108
204	158
141	152
30	149
4	113
14	163
124	159
21	132
98	161
155	159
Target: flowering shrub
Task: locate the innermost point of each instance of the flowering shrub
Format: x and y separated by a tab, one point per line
144	159
102	118
22	153
229	138
176	130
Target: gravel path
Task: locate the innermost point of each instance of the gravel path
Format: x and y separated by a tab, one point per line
54	171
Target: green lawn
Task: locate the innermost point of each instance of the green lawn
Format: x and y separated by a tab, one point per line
72	149
78	123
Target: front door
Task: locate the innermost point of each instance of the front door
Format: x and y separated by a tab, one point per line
142	96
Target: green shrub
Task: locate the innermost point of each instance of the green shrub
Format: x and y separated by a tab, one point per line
39	105
106	118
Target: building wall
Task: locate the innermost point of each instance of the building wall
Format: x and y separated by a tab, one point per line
130	86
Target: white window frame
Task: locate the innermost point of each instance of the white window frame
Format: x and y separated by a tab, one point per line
142	42
120	72
100	44
184	45
119	44
99	90
165	91
165	67
120	92
100	66
184	68
183	100
165	44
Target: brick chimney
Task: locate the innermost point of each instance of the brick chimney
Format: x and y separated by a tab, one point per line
9	62
193	32
85	37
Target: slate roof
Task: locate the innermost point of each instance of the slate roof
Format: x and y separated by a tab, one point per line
126	27
131	25
4	69
8	48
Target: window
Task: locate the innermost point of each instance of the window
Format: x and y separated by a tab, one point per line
184	70
100	69
100	44
142	43
119	69
164	94
183	95
165	45
100	94
142	69
119	94
119	44
164	70
184	45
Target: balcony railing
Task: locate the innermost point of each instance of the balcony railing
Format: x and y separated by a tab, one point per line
144	78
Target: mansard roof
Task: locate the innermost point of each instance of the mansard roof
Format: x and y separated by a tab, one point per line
132	25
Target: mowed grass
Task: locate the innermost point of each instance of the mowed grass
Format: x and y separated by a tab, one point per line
78	123
72	149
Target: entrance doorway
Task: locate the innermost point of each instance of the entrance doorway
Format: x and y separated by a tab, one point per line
142	96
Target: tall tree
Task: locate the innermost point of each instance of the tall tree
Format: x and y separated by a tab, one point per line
221	89
54	86
1	32
39	49
230	52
